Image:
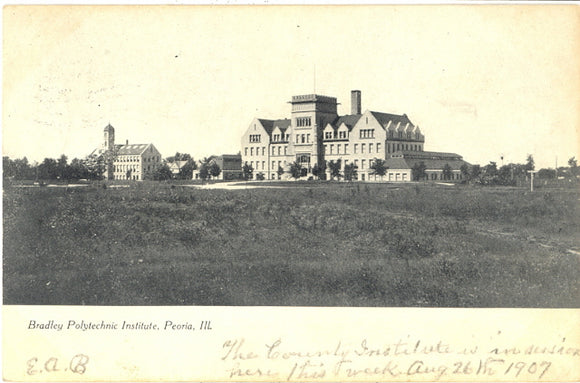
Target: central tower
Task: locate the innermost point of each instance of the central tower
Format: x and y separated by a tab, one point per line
310	114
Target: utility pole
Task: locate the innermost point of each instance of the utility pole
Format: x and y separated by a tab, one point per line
532	179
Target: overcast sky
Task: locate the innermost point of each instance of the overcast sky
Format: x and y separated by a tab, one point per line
480	81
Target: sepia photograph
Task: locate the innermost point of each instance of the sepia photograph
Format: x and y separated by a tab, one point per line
291	193
373	156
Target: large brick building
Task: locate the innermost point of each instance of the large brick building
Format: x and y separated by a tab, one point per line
315	134
129	161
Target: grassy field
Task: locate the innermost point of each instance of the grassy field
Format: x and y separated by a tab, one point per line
322	244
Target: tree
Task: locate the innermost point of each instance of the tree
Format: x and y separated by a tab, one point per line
162	173
186	171
48	169
334	167
529	163
62	167
319	170
418	171
280	171
379	168
247	170
77	170
475	172
465	173
179	157
350	172
95	167
18	169
547	173
260	176
505	175
214	169
447	172
204	171
295	170
573	167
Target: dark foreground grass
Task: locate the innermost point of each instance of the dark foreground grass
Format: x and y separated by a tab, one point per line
333	244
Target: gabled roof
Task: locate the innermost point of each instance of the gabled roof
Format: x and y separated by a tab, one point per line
124	150
384	118
349	120
131	150
269	125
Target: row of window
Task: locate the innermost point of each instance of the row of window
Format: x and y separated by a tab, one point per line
262	149
255	137
393	147
408	135
337	148
280	137
256	165
332	135
343	148
278	149
124	168
367	133
303	121
136	158
303	138
435	176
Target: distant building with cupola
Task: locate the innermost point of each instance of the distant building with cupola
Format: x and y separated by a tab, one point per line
315	134
129	161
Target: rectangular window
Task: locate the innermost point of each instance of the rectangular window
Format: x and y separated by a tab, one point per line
362	148
308	138
273	150
252	151
355	148
246	152
378	147
345	148
356	163
279	150
331	148
255	138
363	164
338	149
325	149
342	134
273	164
285	150
370	148
263	165
328	135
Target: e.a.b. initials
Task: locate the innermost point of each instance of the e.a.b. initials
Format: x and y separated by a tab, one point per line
205	325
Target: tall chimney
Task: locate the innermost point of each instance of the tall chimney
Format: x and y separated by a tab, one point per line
355	102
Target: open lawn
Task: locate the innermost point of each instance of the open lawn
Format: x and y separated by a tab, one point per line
322	244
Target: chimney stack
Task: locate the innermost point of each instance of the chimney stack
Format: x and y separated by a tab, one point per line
126	142
355	102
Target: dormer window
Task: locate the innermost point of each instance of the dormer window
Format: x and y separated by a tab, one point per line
328	135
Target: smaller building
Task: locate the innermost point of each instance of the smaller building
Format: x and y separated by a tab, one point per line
176	166
229	164
400	166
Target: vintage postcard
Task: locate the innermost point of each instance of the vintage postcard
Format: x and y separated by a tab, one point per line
291	193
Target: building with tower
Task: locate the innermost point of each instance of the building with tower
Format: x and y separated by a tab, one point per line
128	161
316	134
